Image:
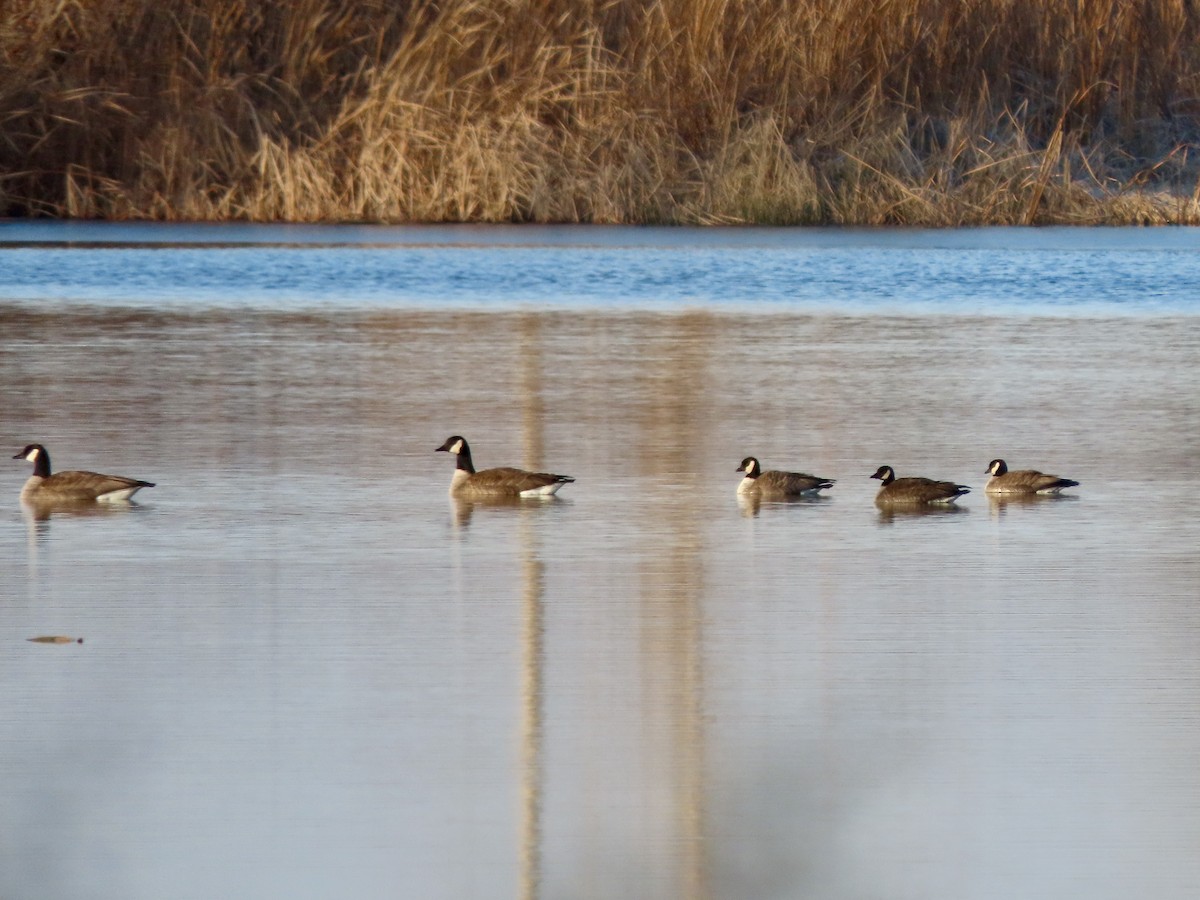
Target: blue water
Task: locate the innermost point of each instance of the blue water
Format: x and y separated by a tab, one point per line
1054	271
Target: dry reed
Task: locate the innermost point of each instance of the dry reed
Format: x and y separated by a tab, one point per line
922	112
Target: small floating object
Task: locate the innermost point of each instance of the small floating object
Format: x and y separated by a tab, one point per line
55	639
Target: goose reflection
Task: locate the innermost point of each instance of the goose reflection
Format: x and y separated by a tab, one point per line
37	517
44	510
752	504
998	504
889	515
532	718
463	509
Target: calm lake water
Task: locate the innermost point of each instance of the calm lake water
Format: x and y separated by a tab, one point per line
306	673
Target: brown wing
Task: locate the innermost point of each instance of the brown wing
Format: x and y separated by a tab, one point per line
1029	481
508	481
788	484
85	485
920	490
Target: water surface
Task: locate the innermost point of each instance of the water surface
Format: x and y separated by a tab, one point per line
307	673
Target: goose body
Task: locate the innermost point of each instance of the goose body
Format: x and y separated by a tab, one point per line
915	491
774	485
45	486
500	482
1023	481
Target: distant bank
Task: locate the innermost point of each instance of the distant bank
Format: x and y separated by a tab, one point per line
914	112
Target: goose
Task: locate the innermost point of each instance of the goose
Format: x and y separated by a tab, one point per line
72	487
773	485
915	490
502	482
1023	481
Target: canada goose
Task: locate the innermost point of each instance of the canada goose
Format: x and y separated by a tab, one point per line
1023	481
915	490
501	482
72	487
773	485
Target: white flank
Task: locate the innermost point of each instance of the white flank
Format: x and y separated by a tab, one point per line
543	491
118	496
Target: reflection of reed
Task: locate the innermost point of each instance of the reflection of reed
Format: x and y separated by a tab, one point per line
674	585
532	410
532	665
532	688
532	634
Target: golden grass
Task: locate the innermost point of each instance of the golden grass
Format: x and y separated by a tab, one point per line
922	112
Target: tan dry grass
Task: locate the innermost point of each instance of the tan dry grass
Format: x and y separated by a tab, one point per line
929	112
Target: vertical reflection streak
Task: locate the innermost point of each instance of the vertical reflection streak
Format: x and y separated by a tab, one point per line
532	692
532	408
35	530
533	626
674	586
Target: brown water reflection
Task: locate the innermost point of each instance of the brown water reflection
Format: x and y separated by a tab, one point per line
889	513
308	672
42	511
1000	502
753	504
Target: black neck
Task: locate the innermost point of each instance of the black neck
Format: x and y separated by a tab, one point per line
464	459
41	464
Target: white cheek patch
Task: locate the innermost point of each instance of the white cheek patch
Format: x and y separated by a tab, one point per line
33	454
456	447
